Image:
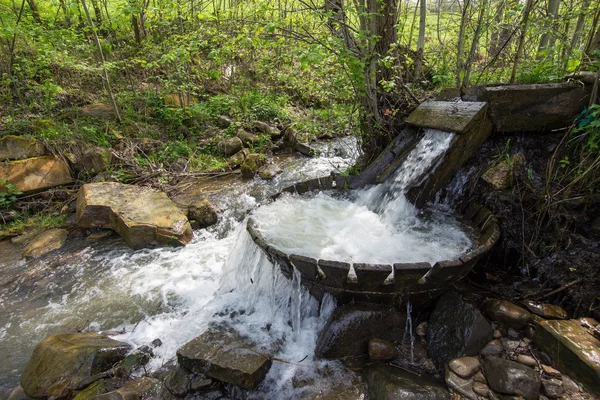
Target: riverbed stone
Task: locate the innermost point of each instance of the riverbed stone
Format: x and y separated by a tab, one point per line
463	386
140	388
511	378
142	216
69	356
230	146
305	149
224	355
545	310
19	147
269	171
18	394
456	328
465	367
493	348
251	165
552	387
352	326
35	174
481	389
573	349
527	360
386	382
45	242
506	313
382	350
202	214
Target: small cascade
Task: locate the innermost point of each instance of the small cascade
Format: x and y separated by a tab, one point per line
408	331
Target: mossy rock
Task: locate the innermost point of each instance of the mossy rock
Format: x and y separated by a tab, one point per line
253	162
69	357
202	214
18	147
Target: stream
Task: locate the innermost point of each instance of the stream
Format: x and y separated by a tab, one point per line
222	277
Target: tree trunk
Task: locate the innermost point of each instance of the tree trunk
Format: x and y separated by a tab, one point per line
101	55
136	29
548	39
98	13
474	44
34	12
524	23
461	43
421	41
497	30
594	37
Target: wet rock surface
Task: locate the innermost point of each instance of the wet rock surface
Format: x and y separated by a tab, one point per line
143	217
386	382
45	242
456	328
506	313
202	214
545	310
351	327
465	367
573	348
511	378
226	356
69	358
382	350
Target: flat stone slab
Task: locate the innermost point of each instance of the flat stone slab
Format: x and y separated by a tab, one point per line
142	216
226	356
36	174
18	147
573	348
449	116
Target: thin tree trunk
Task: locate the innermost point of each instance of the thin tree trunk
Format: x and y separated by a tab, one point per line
421	40
593	42
101	55
412	25
34	12
97	12
461	42
524	23
136	29
474	44
548	38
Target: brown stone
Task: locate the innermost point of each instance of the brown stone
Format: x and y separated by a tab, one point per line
230	146
98	110
545	310
142	216
18	147
202	213
573	349
506	313
36	174
69	356
500	174
465	367
45	242
382	350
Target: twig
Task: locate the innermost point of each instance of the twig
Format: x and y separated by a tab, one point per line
560	289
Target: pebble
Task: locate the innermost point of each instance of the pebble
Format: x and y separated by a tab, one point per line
526	360
493	348
497	334
422	329
506	313
479	377
481	389
465	367
382	350
510	345
548	370
552	388
513	333
529	332
569	385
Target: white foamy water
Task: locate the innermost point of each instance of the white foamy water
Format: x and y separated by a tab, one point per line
375	225
174	294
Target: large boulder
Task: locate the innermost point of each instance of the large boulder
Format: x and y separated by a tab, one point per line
18	147
226	356
36	174
351	327
386	382
573	347
511	378
142	216
67	358
456	328
45	242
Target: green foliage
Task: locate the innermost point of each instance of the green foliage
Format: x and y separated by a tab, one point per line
8	193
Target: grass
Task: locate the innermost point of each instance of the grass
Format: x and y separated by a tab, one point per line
38	221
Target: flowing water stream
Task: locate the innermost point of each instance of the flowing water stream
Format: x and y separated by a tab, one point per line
222	276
